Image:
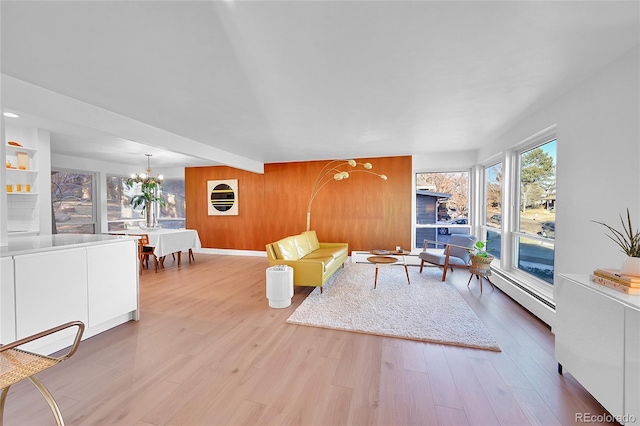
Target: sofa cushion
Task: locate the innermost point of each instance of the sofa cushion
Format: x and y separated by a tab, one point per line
313	240
302	244
324	252
286	249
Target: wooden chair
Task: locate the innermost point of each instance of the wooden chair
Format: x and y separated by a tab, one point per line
145	250
17	365
456	253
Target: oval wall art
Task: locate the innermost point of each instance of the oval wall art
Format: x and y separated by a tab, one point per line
223	197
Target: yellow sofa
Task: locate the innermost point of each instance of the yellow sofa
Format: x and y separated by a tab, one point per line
313	262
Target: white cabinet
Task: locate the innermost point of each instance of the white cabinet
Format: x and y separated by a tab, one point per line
7	305
51	289
632	362
597	333
110	268
50	280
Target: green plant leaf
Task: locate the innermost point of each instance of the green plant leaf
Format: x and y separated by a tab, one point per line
628	240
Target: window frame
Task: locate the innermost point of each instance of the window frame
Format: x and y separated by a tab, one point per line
483	205
510	223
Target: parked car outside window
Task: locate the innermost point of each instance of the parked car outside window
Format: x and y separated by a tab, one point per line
548	229
444	230
496	218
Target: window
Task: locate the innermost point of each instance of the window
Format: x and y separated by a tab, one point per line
172	214
536	211
493	209
72	198
442	206
120	212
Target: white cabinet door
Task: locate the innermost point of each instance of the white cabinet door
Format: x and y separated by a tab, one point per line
112	280
51	289
632	364
7	304
590	341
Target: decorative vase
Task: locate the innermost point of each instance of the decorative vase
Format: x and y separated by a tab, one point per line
631	266
148	215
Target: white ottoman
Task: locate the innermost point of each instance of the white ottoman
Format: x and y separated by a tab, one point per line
280	286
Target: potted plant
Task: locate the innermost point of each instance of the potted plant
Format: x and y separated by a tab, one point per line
481	259
629	242
145	195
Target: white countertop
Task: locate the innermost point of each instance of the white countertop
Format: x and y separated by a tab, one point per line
36	244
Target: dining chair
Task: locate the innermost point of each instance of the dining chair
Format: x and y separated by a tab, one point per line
456	253
145	250
17	365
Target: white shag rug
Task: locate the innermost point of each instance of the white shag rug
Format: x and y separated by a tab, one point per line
428	310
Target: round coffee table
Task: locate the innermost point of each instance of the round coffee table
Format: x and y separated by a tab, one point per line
384	260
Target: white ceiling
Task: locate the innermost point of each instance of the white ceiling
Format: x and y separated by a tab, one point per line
275	81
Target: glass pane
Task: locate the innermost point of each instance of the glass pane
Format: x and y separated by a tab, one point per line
172	224
80	228
493	187
536	258
174	200
442	196
538	191
72	200
119	201
424	234
494	241
442	201
438	235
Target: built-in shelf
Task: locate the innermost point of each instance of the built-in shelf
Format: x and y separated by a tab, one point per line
23	207
13	149
21	171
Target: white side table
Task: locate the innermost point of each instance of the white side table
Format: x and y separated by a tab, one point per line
280	286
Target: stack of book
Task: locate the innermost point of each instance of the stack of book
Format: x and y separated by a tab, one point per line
612	278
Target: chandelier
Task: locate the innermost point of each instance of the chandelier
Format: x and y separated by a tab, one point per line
146	178
331	172
146	194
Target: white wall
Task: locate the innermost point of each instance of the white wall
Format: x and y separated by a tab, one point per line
598	160
444	161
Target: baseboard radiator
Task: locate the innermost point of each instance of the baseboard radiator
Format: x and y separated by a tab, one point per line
542	308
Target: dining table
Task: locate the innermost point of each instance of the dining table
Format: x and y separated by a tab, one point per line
168	241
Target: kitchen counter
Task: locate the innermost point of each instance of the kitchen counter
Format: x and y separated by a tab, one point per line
36	244
50	280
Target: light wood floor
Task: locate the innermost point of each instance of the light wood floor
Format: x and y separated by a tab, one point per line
209	351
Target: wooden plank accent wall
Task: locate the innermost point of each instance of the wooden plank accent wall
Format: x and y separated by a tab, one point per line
363	210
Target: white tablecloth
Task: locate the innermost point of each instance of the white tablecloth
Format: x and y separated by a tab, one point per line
167	241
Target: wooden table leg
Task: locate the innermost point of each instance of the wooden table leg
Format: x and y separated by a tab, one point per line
375	282
179	257
407	271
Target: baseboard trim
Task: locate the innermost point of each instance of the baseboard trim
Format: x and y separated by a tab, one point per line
529	300
230	252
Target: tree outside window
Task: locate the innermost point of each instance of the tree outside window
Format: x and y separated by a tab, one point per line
537	211
72	202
